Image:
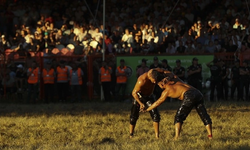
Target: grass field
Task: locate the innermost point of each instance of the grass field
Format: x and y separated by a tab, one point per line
104	126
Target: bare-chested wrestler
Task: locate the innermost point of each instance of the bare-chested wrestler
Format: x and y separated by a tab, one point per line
143	96
175	88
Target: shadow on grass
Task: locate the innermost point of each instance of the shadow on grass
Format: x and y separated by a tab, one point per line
107	140
100	108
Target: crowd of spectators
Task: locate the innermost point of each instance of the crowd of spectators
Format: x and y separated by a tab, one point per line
139	26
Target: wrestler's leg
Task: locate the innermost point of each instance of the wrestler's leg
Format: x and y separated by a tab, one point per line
181	116
209	131
133	117
201	110
178	127
156	128
155	117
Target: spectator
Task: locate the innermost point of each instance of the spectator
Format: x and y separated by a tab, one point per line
156	63
21	76
179	70
181	48
105	80
33	80
170	49
121	80
48	75
62	73
165	65
76	81
235	79
4	44
194	74
215	78
142	68
199	48
127	37
244	80
210	48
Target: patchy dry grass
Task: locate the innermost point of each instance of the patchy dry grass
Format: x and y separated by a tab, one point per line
104	126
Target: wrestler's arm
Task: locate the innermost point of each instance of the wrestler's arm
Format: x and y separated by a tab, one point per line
136	90
162	70
163	97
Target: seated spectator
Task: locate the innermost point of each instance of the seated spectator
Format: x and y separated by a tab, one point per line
58	37
170	49
31	46
230	47
181	48
81	35
210	48
4	44
127	37
137	48
190	49
217	45
97	35
50	40
199	48
237	24
145	46
115	37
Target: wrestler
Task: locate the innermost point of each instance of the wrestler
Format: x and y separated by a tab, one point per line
143	97
175	88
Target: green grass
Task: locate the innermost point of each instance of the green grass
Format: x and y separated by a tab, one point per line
103	126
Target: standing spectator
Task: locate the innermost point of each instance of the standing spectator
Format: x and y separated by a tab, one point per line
49	82
62	81
105	80
121	80
179	70
21	76
156	63
33	80
165	65
215	78
244	80
235	75
76	76
194	74
224	82
141	69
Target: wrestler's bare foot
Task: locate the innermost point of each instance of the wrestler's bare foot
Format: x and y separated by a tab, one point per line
131	135
157	137
176	138
210	137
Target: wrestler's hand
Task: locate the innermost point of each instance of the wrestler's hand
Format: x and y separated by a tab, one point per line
142	108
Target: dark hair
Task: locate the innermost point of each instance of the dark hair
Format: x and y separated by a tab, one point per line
158	76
